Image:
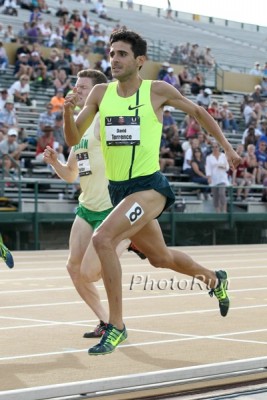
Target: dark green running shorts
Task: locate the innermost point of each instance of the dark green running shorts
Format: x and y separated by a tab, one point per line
94	218
118	190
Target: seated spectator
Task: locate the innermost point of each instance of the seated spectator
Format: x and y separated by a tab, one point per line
57	101
241	177
193	128
47	118
172	78
163	70
176	150
208	58
204	98
22	66
251	161
10	7
39	69
214	111
197	83
22	49
256	94
59	135
3	58
198	171
62	10
261	156
194	54
9	35
8	117
228	120
51	63
185	77
3	98
76	62
250	112
250	136
62	82
20	90
264	86
10	146
169	126
45	139
56	38
193	143
216	172
256	70
165	157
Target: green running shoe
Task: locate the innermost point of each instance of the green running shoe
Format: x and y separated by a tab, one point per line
5	254
110	340
221	292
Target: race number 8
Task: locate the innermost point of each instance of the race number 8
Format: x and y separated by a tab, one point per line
135	213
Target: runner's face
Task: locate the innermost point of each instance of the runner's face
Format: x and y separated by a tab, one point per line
84	86
123	63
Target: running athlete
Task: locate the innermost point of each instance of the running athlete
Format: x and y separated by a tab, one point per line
131	112
5	254
86	161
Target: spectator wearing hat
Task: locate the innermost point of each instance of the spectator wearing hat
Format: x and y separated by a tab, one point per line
204	98
22	66
163	70
8	116
3	97
10	146
256	70
172	78
23	48
228	120
39	69
20	90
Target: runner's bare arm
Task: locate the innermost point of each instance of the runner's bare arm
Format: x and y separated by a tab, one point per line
165	94
74	129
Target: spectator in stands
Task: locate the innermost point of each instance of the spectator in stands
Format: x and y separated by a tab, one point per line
198	172
105	64
216	171
172	78
197	83
204	143
208	58
169	10
62	82
62	10
9	35
10	7
228	120
20	90
39	69
165	156
64	61
57	101
3	98
22	49
241	177
264	86
193	127
250	112
45	139
251	161
169	126
176	150
263	129
51	64
204	98
214	111
250	135
46	118
194	54
55	39
184	52
261	155
163	70
256	70
256	94
76	62
59	135
264	70
193	143
22	66
11	147
70	36
8	116
3	58
185	77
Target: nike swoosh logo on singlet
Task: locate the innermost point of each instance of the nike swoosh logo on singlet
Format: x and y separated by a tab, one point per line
133	108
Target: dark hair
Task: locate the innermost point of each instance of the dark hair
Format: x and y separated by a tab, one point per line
138	44
96	76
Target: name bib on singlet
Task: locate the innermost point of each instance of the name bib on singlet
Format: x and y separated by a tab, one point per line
83	164
122	131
